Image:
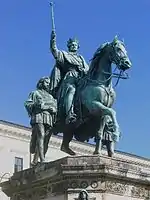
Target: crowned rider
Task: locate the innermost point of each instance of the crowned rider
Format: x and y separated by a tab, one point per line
69	68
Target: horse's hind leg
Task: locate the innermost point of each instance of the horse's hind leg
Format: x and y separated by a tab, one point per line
67	137
99	135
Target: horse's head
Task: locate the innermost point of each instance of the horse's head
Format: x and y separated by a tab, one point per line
108	53
118	54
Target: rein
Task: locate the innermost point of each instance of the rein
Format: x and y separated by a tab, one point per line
121	75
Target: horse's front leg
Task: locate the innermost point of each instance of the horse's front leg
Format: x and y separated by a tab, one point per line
98	147
99	137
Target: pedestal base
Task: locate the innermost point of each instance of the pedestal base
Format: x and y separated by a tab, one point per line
104	179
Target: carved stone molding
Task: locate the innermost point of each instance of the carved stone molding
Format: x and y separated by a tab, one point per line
140	192
32	194
93	198
84	184
115	187
94	184
124	189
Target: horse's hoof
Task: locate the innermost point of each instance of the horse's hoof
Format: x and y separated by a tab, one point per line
68	150
72	153
110	154
96	153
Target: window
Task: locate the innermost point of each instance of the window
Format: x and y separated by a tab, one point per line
18	164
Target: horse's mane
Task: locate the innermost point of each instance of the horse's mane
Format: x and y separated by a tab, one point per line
94	61
97	55
99	50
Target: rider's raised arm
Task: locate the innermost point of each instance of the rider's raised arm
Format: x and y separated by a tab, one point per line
53	46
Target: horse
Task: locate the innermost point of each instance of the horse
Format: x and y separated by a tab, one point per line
95	96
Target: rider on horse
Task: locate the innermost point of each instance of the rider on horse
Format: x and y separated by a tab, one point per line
69	69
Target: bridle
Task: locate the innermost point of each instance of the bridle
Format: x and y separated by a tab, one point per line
121	75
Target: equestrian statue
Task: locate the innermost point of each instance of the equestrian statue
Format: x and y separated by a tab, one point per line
79	97
85	93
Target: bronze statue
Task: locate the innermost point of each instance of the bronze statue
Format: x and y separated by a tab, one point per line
72	67
107	136
85	94
95	96
41	107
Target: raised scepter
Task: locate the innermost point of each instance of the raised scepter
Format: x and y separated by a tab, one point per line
55	74
52	16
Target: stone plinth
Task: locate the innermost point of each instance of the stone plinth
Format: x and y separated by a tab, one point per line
104	178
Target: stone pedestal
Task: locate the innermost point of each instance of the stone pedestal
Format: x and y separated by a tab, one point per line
104	178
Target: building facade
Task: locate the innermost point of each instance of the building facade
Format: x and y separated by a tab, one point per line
15	156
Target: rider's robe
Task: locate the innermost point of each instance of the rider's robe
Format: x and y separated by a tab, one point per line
69	68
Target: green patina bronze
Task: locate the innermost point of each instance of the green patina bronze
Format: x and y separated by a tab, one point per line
41	107
69	69
84	95
90	95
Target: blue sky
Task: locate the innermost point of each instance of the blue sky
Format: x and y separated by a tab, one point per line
25	56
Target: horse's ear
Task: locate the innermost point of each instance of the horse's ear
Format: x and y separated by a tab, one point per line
115	39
